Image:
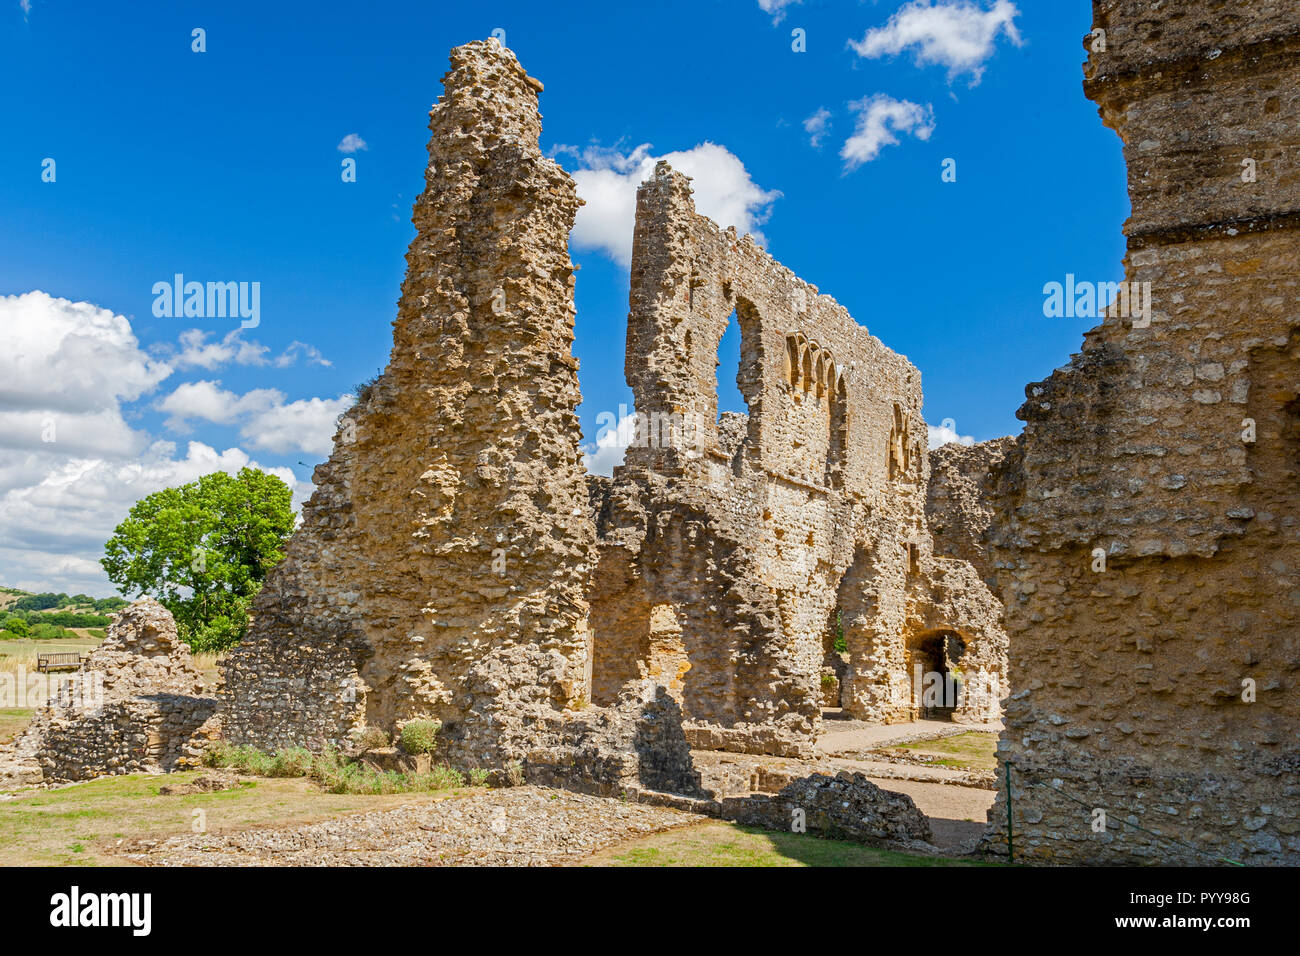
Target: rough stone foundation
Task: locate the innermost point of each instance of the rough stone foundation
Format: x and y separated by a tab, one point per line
136	705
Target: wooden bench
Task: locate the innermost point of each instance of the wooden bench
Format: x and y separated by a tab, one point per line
58	662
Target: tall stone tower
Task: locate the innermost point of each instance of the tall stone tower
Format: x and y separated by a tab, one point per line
443	559
1149	533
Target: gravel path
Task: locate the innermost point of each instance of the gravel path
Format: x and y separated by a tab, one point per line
518	826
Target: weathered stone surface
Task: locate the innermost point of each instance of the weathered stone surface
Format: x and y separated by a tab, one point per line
443	560
1162	690
137	704
734	548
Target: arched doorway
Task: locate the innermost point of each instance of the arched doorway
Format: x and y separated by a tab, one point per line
934	665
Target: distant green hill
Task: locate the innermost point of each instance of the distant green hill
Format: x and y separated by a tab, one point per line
49	615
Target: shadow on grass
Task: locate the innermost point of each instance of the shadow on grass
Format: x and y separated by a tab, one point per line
728	844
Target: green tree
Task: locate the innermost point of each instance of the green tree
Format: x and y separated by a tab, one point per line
203	550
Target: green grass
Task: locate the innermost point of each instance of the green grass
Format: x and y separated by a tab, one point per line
335	774
12	722
729	844
973	750
80	824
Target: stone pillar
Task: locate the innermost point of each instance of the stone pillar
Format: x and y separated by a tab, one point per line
445	555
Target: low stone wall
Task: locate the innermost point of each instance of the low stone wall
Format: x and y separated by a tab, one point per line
152	734
635	745
303	692
137	704
1123	812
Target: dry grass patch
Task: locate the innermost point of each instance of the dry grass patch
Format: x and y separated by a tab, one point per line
80	825
12	722
16	655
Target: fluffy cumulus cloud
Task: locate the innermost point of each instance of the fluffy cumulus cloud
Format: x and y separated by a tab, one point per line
65	370
208	401
352	143
945	433
607	180
307	425
607	450
266	420
958	34
72	378
817	125
880	119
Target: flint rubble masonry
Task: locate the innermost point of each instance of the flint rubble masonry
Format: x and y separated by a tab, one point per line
1131	686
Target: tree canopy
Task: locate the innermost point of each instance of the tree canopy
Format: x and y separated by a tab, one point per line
203	550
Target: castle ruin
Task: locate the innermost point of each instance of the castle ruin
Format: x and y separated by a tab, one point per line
456	563
1145	529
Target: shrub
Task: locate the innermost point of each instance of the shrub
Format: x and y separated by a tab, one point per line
372	738
478	777
292	762
828	680
329	770
420	736
48	632
514	774
244	759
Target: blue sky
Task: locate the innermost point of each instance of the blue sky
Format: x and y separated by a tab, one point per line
225	165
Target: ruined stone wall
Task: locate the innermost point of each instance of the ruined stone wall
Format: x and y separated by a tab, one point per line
958	504
137	704
727	546
442	561
1147	538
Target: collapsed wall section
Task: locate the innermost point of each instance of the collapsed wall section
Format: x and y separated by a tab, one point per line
136	705
1147	541
442	561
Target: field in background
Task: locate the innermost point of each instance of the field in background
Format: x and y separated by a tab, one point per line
21	654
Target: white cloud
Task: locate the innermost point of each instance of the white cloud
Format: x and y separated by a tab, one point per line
817	125
52	532
207	401
266	420
26	7
72	466
607	180
65	369
776	8
957	34
600	457
69	356
197	352
879	118
352	143
310	353
946	433
307	425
